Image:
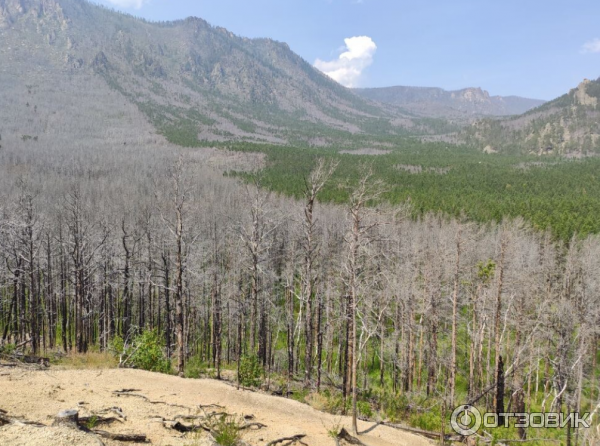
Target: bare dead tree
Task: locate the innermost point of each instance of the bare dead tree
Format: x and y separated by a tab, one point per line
175	221
313	185
257	241
357	239
455	291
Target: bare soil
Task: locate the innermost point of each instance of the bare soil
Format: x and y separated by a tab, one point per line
39	395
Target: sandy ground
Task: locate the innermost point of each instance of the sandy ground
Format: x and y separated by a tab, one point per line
39	395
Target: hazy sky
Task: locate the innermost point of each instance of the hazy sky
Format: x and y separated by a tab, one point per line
531	48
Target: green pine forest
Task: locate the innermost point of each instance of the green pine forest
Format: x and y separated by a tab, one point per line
554	193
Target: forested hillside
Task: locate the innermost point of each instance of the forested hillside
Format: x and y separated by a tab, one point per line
568	125
190	78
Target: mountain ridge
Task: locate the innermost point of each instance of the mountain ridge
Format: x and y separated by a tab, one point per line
199	84
567	125
434	101
193	80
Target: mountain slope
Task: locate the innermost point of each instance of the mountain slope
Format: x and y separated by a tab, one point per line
569	124
194	81
450	104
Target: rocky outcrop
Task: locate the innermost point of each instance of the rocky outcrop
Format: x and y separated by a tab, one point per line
100	63
9	11
44	13
582	97
472	95
567	125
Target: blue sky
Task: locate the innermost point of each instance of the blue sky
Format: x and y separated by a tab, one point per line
530	48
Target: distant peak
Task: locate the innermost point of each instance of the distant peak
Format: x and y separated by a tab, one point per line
438	102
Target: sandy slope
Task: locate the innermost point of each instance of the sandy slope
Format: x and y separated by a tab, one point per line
38	396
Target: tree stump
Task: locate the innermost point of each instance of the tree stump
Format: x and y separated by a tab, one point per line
69	418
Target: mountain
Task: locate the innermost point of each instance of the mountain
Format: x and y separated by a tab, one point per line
568	125
458	104
194	82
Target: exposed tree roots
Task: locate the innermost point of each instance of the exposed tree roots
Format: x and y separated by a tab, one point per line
128	392
344	435
288	441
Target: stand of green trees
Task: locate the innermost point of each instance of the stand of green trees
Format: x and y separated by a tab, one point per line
551	193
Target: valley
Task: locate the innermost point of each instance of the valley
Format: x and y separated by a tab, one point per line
210	220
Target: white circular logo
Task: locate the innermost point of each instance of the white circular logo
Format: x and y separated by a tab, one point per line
466	420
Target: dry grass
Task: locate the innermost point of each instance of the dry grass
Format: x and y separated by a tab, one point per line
317	401
93	360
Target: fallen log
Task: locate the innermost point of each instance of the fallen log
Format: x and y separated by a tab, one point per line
116	410
22	344
206	406
290	440
45	362
424	433
95	420
127	392
254	426
5	419
184	428
530	440
20	360
192	417
135	438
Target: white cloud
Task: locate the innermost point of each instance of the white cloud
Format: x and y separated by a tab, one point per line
593	46
132	4
348	68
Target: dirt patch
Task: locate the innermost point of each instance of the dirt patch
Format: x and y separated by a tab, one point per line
415	169
48	436
39	396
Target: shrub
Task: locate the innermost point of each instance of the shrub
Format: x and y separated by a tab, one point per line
300	395
429	420
92	422
147	353
195	368
7	349
226	430
335	429
117	346
394	405
335	402
250	371
364	409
